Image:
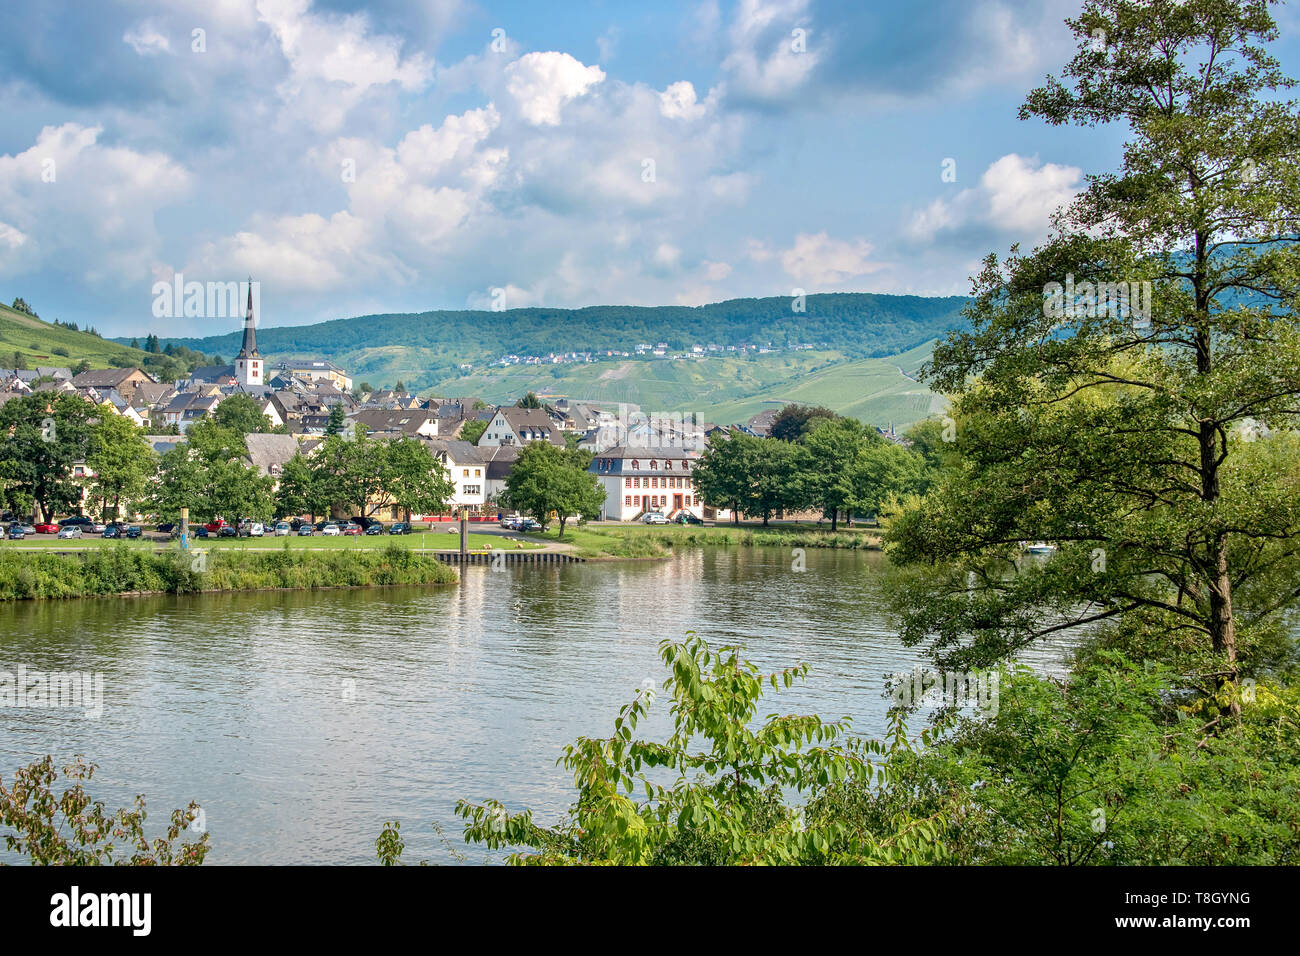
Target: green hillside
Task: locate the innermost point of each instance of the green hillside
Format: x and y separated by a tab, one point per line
427	348
42	343
879	391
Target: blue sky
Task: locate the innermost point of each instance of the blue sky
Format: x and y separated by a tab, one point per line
397	156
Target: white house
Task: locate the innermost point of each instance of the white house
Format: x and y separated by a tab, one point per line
511	425
467	468
637	480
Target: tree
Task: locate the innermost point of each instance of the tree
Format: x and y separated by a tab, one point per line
337	421
19	361
242	413
351	471
473	430
298	492
82	366
207	474
794	421
48	434
415	480
885	473
721	476
546	478
530	400
834	445
1148	429
121	460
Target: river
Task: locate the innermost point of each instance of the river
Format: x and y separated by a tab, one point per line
301	721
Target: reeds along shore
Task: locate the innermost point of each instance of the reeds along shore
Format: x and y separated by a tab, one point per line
110	571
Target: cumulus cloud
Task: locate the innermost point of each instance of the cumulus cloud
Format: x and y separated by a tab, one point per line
771	53
46	190
146	40
820	262
1016	194
542	83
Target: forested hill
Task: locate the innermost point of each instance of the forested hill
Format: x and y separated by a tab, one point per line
856	324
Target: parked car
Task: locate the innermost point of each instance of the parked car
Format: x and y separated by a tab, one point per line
251	529
306	531
350	528
167	527
133	531
511	522
71	531
17	532
228	531
215	526
97	527
375	527
653	517
75	519
399	527
112	531
330	529
202	532
685	517
282	528
46	527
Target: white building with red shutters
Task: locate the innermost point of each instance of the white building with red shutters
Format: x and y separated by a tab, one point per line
647	478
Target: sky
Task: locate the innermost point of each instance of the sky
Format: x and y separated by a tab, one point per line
384	156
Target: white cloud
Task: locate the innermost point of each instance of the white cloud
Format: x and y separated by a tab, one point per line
146	39
820	261
542	83
767	61
678	102
1015	194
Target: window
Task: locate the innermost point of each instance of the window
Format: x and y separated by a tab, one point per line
668	466
478	472
473	489
654	465
627	500
635	464
464	472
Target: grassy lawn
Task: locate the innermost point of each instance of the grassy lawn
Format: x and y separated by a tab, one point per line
433	541
649	541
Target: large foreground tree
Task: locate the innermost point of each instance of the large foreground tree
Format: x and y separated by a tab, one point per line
1149	430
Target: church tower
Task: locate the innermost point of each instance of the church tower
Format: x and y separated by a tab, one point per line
248	364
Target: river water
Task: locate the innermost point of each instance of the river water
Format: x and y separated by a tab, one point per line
301	721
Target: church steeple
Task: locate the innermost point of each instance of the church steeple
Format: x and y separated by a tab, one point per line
249	348
248	363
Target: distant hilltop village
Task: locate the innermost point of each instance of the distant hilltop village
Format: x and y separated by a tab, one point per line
659	350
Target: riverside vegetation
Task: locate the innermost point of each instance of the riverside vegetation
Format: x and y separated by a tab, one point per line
122	569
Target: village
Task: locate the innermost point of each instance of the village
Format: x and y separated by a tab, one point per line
643	463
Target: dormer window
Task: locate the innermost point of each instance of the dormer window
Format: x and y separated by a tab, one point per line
654	465
635	464
668	466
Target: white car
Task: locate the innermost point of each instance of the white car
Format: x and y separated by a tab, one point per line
653	517
256	529
330	529
70	531
282	528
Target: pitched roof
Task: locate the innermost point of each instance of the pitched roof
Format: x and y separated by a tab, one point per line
111	377
267	451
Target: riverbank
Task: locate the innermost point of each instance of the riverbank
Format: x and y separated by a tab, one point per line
659	541
104	572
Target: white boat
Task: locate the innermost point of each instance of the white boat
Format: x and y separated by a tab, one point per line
1040	547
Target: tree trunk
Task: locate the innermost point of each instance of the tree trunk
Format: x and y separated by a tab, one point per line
835	513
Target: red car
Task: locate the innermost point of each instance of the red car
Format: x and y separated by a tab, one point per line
214	526
351	528
47	528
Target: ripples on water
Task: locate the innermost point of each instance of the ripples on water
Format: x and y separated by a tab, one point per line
238	701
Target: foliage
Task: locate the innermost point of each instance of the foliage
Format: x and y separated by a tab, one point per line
121	460
47	434
1155	445
473	430
547	480
732	779
795	421
71	829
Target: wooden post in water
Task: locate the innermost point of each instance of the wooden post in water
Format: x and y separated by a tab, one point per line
464	534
